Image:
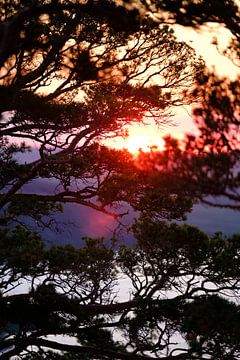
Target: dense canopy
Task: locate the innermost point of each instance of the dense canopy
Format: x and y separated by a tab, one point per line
73	73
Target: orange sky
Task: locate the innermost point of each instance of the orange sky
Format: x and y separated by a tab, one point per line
201	40
143	137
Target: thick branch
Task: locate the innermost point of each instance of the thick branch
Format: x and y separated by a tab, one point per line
78	349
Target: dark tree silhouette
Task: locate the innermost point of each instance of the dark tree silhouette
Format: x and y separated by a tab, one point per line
73	73
179	284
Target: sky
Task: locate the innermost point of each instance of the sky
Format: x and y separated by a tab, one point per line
81	221
202	41
207	218
77	221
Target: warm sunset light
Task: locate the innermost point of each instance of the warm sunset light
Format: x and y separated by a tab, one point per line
120	179
137	142
139	137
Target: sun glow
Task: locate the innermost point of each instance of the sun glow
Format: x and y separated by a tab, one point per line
137	142
138	138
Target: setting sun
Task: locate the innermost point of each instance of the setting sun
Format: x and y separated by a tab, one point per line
139	137
136	142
